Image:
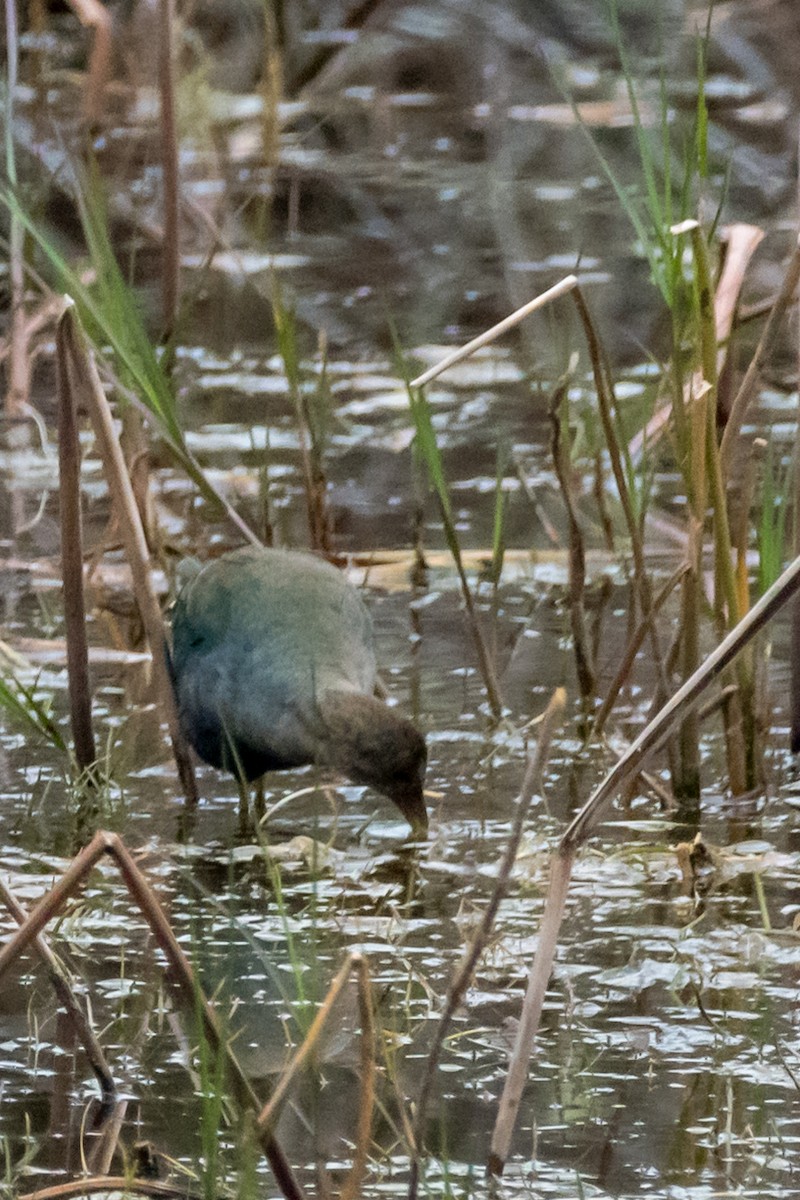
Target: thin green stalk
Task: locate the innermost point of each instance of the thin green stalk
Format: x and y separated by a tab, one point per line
499	523
314	481
429	450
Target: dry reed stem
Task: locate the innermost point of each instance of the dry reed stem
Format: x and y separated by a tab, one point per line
112	1183
683	701
747	386
18	381
170	246
182	973
485	660
84	371
605	401
742	241
66	996
581	827
551	718
352	1185
69	471
538	978
490	335
794	650
271	1110
93	15
632	649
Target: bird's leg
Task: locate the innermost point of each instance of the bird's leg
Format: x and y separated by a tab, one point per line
259	800
245	826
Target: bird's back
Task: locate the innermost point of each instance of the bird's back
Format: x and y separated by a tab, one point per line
259	636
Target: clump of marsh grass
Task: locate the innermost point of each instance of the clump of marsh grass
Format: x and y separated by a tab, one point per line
698	271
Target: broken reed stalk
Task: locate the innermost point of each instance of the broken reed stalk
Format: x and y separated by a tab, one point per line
794	652
354	964
112	1183
584	823
69	472
170	245
66	997
269	1114
744	395
559	289
353	1184
742	241
538	978
531	785
93	15
181	972
84	372
559	422
631	650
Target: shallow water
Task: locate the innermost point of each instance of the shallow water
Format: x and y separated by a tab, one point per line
668	1060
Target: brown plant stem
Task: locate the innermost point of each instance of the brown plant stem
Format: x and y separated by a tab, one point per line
93	15
66	997
84	370
577	557
631	650
69	470
747	387
538	978
112	1183
18	378
170	246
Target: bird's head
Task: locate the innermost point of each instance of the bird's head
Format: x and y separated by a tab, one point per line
373	744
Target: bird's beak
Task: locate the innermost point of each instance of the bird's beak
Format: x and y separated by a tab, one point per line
412	806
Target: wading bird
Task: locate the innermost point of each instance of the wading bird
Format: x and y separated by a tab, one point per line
274	667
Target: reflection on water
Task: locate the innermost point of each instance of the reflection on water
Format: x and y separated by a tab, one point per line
431	172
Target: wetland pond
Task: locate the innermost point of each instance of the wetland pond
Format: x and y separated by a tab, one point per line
430	175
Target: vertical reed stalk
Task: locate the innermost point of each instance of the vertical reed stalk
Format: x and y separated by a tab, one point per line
84	371
69	469
740	728
18	379
559	421
170	249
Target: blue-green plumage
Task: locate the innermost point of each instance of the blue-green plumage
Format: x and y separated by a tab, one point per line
274	667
